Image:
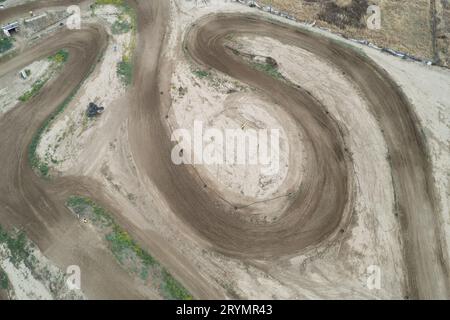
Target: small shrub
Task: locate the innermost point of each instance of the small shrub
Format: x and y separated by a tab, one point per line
5	44
17	245
174	289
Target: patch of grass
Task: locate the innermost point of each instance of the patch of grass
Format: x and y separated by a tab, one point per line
35	88
60	57
112	2
173	288
129	254
120	27
343	16
125	71
5	44
201	73
124	67
268	68
80	204
4	281
33	158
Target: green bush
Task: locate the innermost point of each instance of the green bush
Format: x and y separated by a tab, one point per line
5	44
201	73
112	2
120	27
173	288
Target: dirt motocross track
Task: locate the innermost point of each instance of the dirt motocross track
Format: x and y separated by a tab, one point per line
317	211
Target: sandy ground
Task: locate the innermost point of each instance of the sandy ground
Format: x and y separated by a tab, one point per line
13	86
405	25
109	152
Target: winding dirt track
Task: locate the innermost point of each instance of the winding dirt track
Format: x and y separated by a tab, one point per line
317	210
410	165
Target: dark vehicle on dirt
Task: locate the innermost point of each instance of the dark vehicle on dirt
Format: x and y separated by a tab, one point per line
94	110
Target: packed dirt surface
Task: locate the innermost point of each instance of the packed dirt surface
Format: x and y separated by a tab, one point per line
318	226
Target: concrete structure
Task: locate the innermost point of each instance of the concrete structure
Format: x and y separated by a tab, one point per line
10	27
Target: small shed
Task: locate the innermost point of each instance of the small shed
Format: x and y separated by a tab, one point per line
10	27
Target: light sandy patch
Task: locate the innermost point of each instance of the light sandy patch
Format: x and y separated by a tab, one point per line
223	104
12	85
428	89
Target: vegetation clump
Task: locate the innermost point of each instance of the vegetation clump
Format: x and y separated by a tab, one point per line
5	44
127	251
